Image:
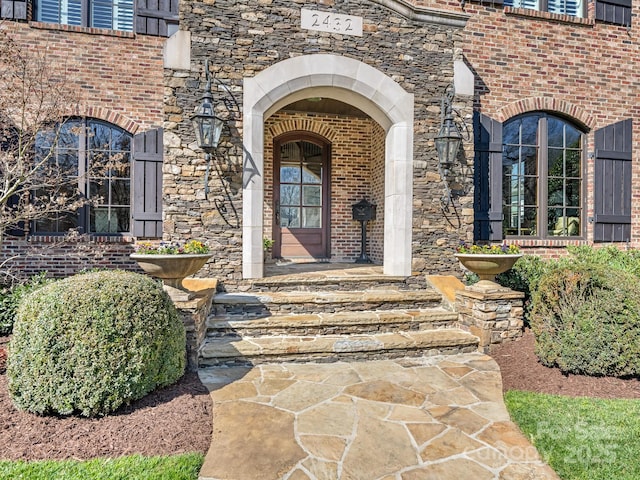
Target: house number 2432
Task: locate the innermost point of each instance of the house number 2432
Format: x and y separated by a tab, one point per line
331	22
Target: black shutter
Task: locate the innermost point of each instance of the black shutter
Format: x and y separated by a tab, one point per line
154	16
487	178
13	9
147	184
612	183
617	12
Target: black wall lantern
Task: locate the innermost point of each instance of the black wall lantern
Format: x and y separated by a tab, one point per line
449	137
207	126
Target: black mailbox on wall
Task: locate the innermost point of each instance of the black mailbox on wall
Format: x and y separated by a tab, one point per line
363	211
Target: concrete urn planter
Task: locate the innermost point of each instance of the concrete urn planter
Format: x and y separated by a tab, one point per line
487	266
172	269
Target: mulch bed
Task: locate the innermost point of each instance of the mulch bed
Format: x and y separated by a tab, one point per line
521	370
172	420
178	419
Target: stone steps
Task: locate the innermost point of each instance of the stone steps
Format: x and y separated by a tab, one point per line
326	348
323	316
328	281
332	323
264	304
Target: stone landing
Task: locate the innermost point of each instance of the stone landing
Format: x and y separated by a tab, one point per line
439	418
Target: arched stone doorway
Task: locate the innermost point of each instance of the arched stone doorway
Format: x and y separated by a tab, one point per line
351	82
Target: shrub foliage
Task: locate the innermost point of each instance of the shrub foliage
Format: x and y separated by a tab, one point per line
93	342
10	299
586	319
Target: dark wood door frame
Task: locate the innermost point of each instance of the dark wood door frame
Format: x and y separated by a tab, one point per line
326	186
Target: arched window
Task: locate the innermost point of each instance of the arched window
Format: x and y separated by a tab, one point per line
99	155
542	177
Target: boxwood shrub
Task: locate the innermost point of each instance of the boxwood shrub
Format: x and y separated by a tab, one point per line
586	320
11	295
93	342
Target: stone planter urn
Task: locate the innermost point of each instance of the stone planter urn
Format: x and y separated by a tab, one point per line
172	269
487	266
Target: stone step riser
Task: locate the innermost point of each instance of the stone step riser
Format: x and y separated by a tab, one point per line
339	286
268	309
327	357
239	331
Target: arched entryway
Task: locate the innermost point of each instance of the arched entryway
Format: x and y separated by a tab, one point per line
351	82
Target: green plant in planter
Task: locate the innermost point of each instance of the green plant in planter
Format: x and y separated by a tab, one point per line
93	342
267	243
503	249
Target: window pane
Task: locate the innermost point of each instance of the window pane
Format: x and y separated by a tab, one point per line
555	162
289	194
290	174
563	225
573	163
311	195
573	193
109	220
290	217
99	191
555	132
312	217
99	137
511	132
312	173
529	155
555	194
120	192
529	130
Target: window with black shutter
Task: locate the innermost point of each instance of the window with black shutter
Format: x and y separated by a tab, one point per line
147	184
617	12
157	17
13	9
612	183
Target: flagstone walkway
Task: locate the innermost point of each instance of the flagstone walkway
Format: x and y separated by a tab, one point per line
427	418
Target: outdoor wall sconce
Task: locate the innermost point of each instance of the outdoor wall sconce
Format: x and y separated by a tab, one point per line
207	126
448	142
449	137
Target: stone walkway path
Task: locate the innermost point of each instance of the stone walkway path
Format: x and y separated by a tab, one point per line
428	418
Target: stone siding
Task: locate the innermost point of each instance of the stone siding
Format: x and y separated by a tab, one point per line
243	38
494	315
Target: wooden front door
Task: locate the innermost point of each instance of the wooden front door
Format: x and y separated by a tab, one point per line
301	196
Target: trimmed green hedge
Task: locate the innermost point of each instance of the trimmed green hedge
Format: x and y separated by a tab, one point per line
10	297
586	319
93	342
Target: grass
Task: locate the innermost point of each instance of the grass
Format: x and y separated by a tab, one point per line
134	467
581	438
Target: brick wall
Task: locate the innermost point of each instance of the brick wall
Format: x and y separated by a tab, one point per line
63	256
118	77
352	172
579	69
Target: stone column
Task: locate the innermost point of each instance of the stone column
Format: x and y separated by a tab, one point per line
194	314
491	312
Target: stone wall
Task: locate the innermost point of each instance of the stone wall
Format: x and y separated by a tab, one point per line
243	38
493	314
